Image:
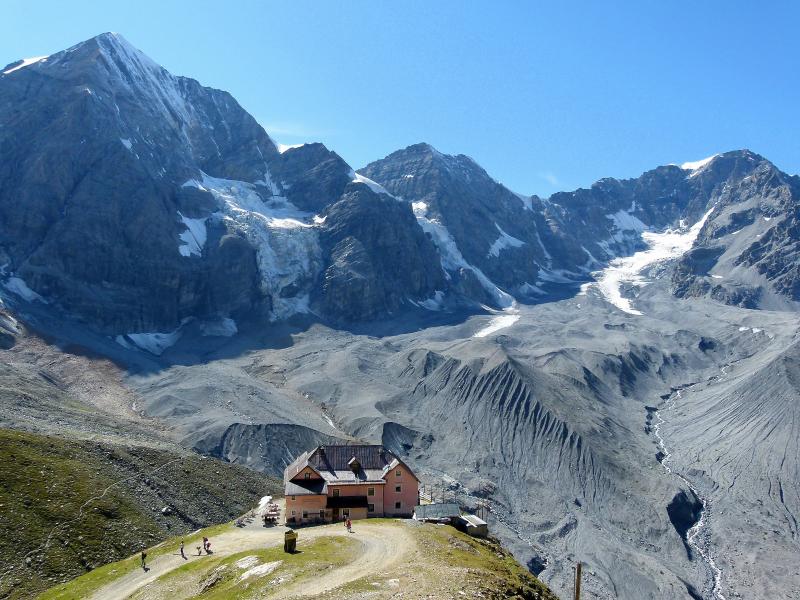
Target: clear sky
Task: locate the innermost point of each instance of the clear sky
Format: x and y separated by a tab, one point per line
545	96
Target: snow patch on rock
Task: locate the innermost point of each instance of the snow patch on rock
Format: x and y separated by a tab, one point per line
26	62
154	343
435	302
17	286
451	257
496	324
503	242
284	147
225	327
194	238
698	165
375	187
625	228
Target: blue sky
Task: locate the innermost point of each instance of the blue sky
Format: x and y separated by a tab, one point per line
545	96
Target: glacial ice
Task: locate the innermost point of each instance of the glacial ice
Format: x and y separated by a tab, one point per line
663	246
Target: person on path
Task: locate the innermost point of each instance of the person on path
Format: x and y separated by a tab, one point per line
208	546
144	558
182	554
349	524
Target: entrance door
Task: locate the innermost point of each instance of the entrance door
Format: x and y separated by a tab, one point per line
335	514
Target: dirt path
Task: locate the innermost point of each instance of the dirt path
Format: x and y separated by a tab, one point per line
379	550
231	542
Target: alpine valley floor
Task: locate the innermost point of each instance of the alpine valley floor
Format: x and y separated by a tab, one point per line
552	418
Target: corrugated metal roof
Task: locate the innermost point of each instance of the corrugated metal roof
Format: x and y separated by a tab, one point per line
473	520
437	511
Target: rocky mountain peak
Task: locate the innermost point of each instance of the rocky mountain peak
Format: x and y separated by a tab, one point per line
423	159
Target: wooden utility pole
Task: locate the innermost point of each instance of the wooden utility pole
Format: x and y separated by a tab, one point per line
578	582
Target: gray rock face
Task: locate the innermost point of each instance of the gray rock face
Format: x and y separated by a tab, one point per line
379	257
318	176
100	139
748	252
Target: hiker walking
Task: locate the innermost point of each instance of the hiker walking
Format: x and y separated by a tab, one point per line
182	554
144	558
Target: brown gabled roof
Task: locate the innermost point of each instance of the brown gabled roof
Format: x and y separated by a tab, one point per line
337	458
297	465
334	463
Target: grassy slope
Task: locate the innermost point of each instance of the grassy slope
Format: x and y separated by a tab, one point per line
448	562
69	506
444	564
219	579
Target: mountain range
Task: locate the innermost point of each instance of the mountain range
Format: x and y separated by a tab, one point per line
614	368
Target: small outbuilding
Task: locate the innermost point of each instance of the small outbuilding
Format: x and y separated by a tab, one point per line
472	525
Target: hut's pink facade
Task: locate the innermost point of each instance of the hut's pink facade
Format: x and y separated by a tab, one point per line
332	483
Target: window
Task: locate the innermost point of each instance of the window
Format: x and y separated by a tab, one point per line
370	508
397	505
370	491
336	493
346	512
397	489
322	514
293	498
294	513
308	475
398	473
305	514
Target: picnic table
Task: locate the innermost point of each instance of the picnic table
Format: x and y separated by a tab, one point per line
271	514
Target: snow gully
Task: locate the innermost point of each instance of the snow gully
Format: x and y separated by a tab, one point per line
696	537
